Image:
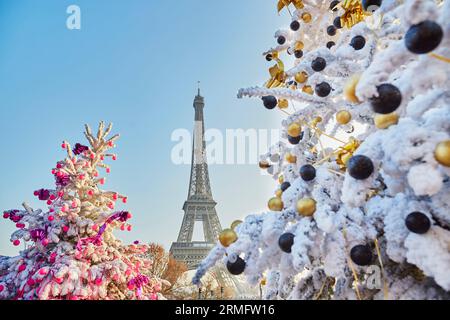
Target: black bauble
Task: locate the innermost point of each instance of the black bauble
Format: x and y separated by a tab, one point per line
388	100
371	5
298	54
284	186
236	267
358	42
337	23
423	37
417	222
295	25
331	30
307	172
333	5
318	64
295	140
361	255
323	89
330	44
281	40
269	102
286	241
360	167
269	57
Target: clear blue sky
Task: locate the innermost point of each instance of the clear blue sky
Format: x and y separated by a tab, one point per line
134	63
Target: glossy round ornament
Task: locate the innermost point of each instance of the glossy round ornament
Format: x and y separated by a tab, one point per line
227	237
442	153
417	222
275	204
361	255
237	267
360	167
286	241
388	100
306	207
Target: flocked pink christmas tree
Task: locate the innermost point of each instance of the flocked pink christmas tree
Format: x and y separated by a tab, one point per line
71	252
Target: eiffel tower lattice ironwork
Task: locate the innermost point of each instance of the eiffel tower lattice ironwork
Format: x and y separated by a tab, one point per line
200	205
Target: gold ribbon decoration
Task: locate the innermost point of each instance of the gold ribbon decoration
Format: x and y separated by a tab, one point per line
298	4
354	13
277	74
346	152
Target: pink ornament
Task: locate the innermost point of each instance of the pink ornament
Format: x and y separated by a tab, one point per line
122	227
114	157
74	204
102	157
74	298
111	205
53	257
43	272
16	219
49	202
59	165
125	200
45	242
130	286
51	210
115	277
108	170
20	225
90	193
52	197
22	267
128	272
95	227
95	173
129	215
64	208
51	218
60	194
98	281
59	280
115	196
102	181
16	242
81	177
59	174
129	228
53	171
111	144
64	146
153	296
30	282
92	156
5	215
36	193
65	228
2	287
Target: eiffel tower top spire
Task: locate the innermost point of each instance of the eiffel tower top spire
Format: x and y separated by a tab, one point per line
199	185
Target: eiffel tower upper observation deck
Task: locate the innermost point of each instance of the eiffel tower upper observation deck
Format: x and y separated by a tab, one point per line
199	205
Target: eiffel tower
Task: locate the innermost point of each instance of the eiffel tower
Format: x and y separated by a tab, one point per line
200	205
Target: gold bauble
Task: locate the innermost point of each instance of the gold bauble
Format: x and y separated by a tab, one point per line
278	193
343	117
308	89
294	129
442	153
263	164
383	121
291	158
306	17
350	88
275	204
283	103
306	207
299	45
227	237
263	282
301	77
235	224
281	179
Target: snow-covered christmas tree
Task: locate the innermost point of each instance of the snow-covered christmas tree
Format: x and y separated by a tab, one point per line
71	252
362	209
